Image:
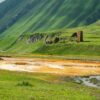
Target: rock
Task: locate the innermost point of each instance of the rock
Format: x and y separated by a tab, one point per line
1	59
35	37
52	38
56	40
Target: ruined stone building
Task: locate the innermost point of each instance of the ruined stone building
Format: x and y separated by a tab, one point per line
78	36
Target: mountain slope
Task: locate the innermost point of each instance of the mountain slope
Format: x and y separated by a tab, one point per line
26	17
41	15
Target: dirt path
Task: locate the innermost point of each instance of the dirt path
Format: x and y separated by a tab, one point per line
61	67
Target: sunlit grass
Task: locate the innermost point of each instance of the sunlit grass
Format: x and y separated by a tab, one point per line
27	86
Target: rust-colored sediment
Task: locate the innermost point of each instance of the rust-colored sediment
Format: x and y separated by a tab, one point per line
61	67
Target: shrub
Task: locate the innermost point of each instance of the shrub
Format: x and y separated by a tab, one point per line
24	83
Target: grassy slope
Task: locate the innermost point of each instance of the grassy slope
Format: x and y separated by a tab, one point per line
43	87
36	15
44	15
47	16
90	47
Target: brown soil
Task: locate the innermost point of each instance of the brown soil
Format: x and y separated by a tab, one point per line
1	59
60	67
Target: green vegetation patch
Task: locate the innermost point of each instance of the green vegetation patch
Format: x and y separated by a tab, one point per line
28	86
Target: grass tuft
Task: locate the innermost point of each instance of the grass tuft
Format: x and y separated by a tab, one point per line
25	83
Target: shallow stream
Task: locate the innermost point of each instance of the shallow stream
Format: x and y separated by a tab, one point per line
92	81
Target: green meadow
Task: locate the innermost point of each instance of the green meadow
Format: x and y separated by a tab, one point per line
28	86
22	19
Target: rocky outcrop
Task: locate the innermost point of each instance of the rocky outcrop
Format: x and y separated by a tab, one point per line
52	38
35	37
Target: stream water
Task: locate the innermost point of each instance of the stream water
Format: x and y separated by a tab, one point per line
91	81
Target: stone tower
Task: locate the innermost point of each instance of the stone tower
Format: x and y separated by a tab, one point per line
80	36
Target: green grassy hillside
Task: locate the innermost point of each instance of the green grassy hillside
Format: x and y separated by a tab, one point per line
21	18
41	15
15	44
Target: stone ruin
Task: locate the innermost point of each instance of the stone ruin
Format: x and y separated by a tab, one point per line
31	38
78	36
52	38
55	38
35	37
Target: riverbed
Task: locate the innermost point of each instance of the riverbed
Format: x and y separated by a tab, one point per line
84	72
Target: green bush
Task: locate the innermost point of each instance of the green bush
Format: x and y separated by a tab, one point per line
24	83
